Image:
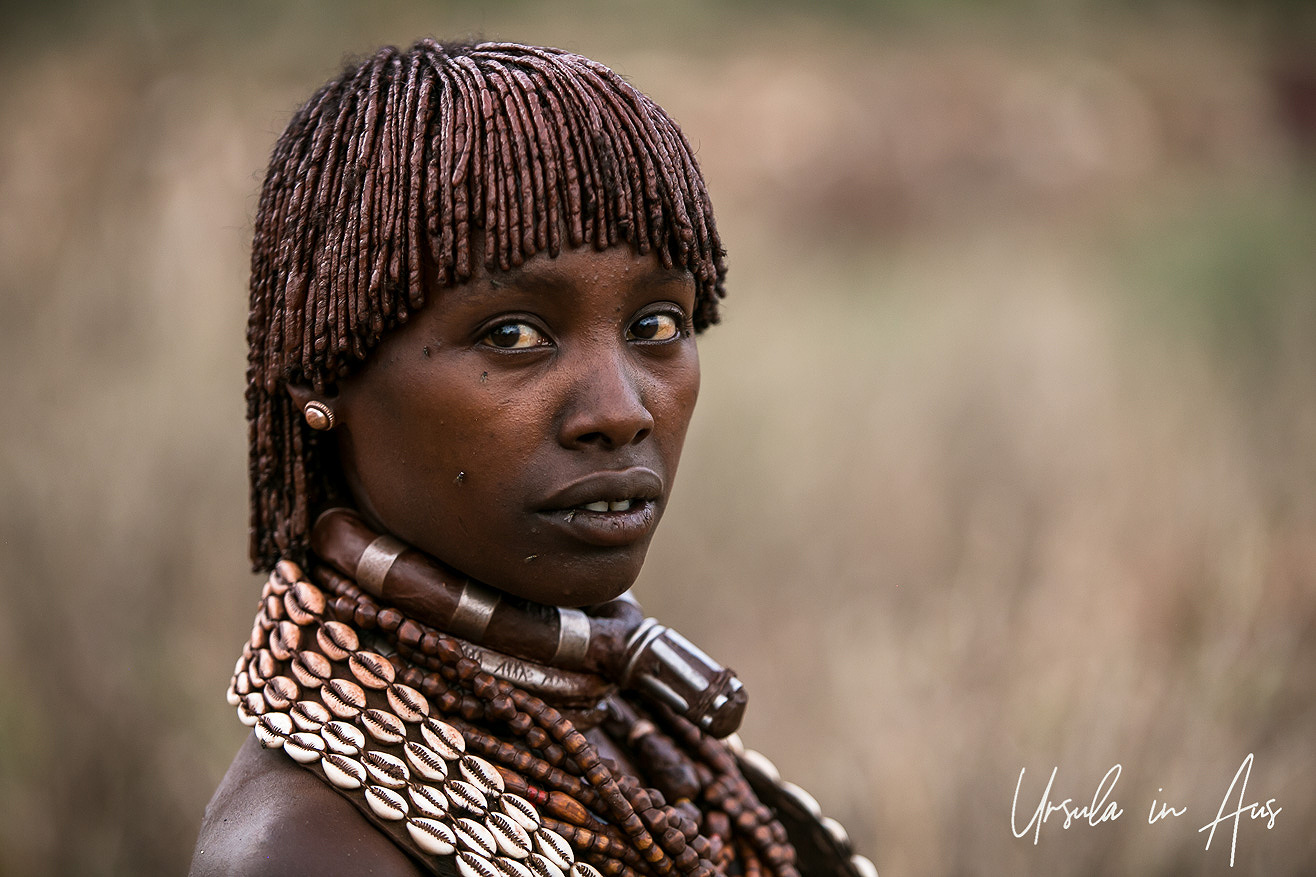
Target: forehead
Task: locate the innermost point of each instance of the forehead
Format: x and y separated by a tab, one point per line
585	274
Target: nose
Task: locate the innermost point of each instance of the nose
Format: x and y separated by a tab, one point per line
605	405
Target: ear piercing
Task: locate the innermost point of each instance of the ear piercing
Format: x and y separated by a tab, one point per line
319	416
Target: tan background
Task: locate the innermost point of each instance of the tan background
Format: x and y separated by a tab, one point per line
1006	457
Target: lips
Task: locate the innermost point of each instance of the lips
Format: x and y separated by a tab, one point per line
607	509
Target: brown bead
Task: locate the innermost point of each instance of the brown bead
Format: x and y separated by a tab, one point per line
484	686
502	709
554	754
433	687
447	650
364	616
471	708
409	633
686	859
536	738
344	609
466	669
520	723
390	618
673	841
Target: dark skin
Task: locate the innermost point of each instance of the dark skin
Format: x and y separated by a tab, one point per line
487	431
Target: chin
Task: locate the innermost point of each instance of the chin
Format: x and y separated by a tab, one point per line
574	586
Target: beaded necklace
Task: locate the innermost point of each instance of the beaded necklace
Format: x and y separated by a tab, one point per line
459	766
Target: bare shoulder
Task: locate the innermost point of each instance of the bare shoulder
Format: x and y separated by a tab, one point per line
270	816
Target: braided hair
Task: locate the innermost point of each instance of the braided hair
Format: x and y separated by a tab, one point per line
409	172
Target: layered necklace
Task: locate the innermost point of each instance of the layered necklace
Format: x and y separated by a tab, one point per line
469	755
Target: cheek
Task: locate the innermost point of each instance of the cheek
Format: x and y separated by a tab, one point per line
675	397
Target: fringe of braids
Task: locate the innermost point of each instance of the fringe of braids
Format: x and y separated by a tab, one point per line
388	181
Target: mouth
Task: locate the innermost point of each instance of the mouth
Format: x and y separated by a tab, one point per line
607	509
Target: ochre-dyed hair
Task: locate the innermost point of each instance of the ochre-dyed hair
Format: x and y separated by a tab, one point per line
407	173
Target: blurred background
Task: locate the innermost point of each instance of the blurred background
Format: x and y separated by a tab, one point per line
1006	457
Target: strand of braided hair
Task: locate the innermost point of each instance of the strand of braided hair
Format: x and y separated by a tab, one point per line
412	171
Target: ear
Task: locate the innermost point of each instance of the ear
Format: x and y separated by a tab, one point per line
301	394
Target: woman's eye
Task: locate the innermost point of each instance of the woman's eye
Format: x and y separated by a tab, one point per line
655	327
514	336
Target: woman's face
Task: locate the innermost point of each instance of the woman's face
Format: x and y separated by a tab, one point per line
525	427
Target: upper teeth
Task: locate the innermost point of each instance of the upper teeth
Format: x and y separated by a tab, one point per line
603	505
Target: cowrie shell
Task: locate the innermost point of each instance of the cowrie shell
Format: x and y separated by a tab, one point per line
345	699
261	667
371	670
432	836
252	707
472	865
443	739
465	796
280	692
304	602
426	762
337	640
311	669
584	869
304	747
285	573
386	769
386	803
272	728
511	838
309	715
343	738
344	772
473	836
521	810
555	848
285	639
275	584
757	765
839	835
408	703
232	695
428	800
802	799
242	682
384	727
863	866
272	607
542	867
511	867
482	774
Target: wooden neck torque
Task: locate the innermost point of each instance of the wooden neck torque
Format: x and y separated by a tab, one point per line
612	639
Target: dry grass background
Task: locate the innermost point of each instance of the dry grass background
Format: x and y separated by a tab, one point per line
1006	456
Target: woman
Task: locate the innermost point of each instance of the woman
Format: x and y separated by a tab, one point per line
476	278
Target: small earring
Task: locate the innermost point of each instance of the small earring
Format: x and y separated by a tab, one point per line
319	416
